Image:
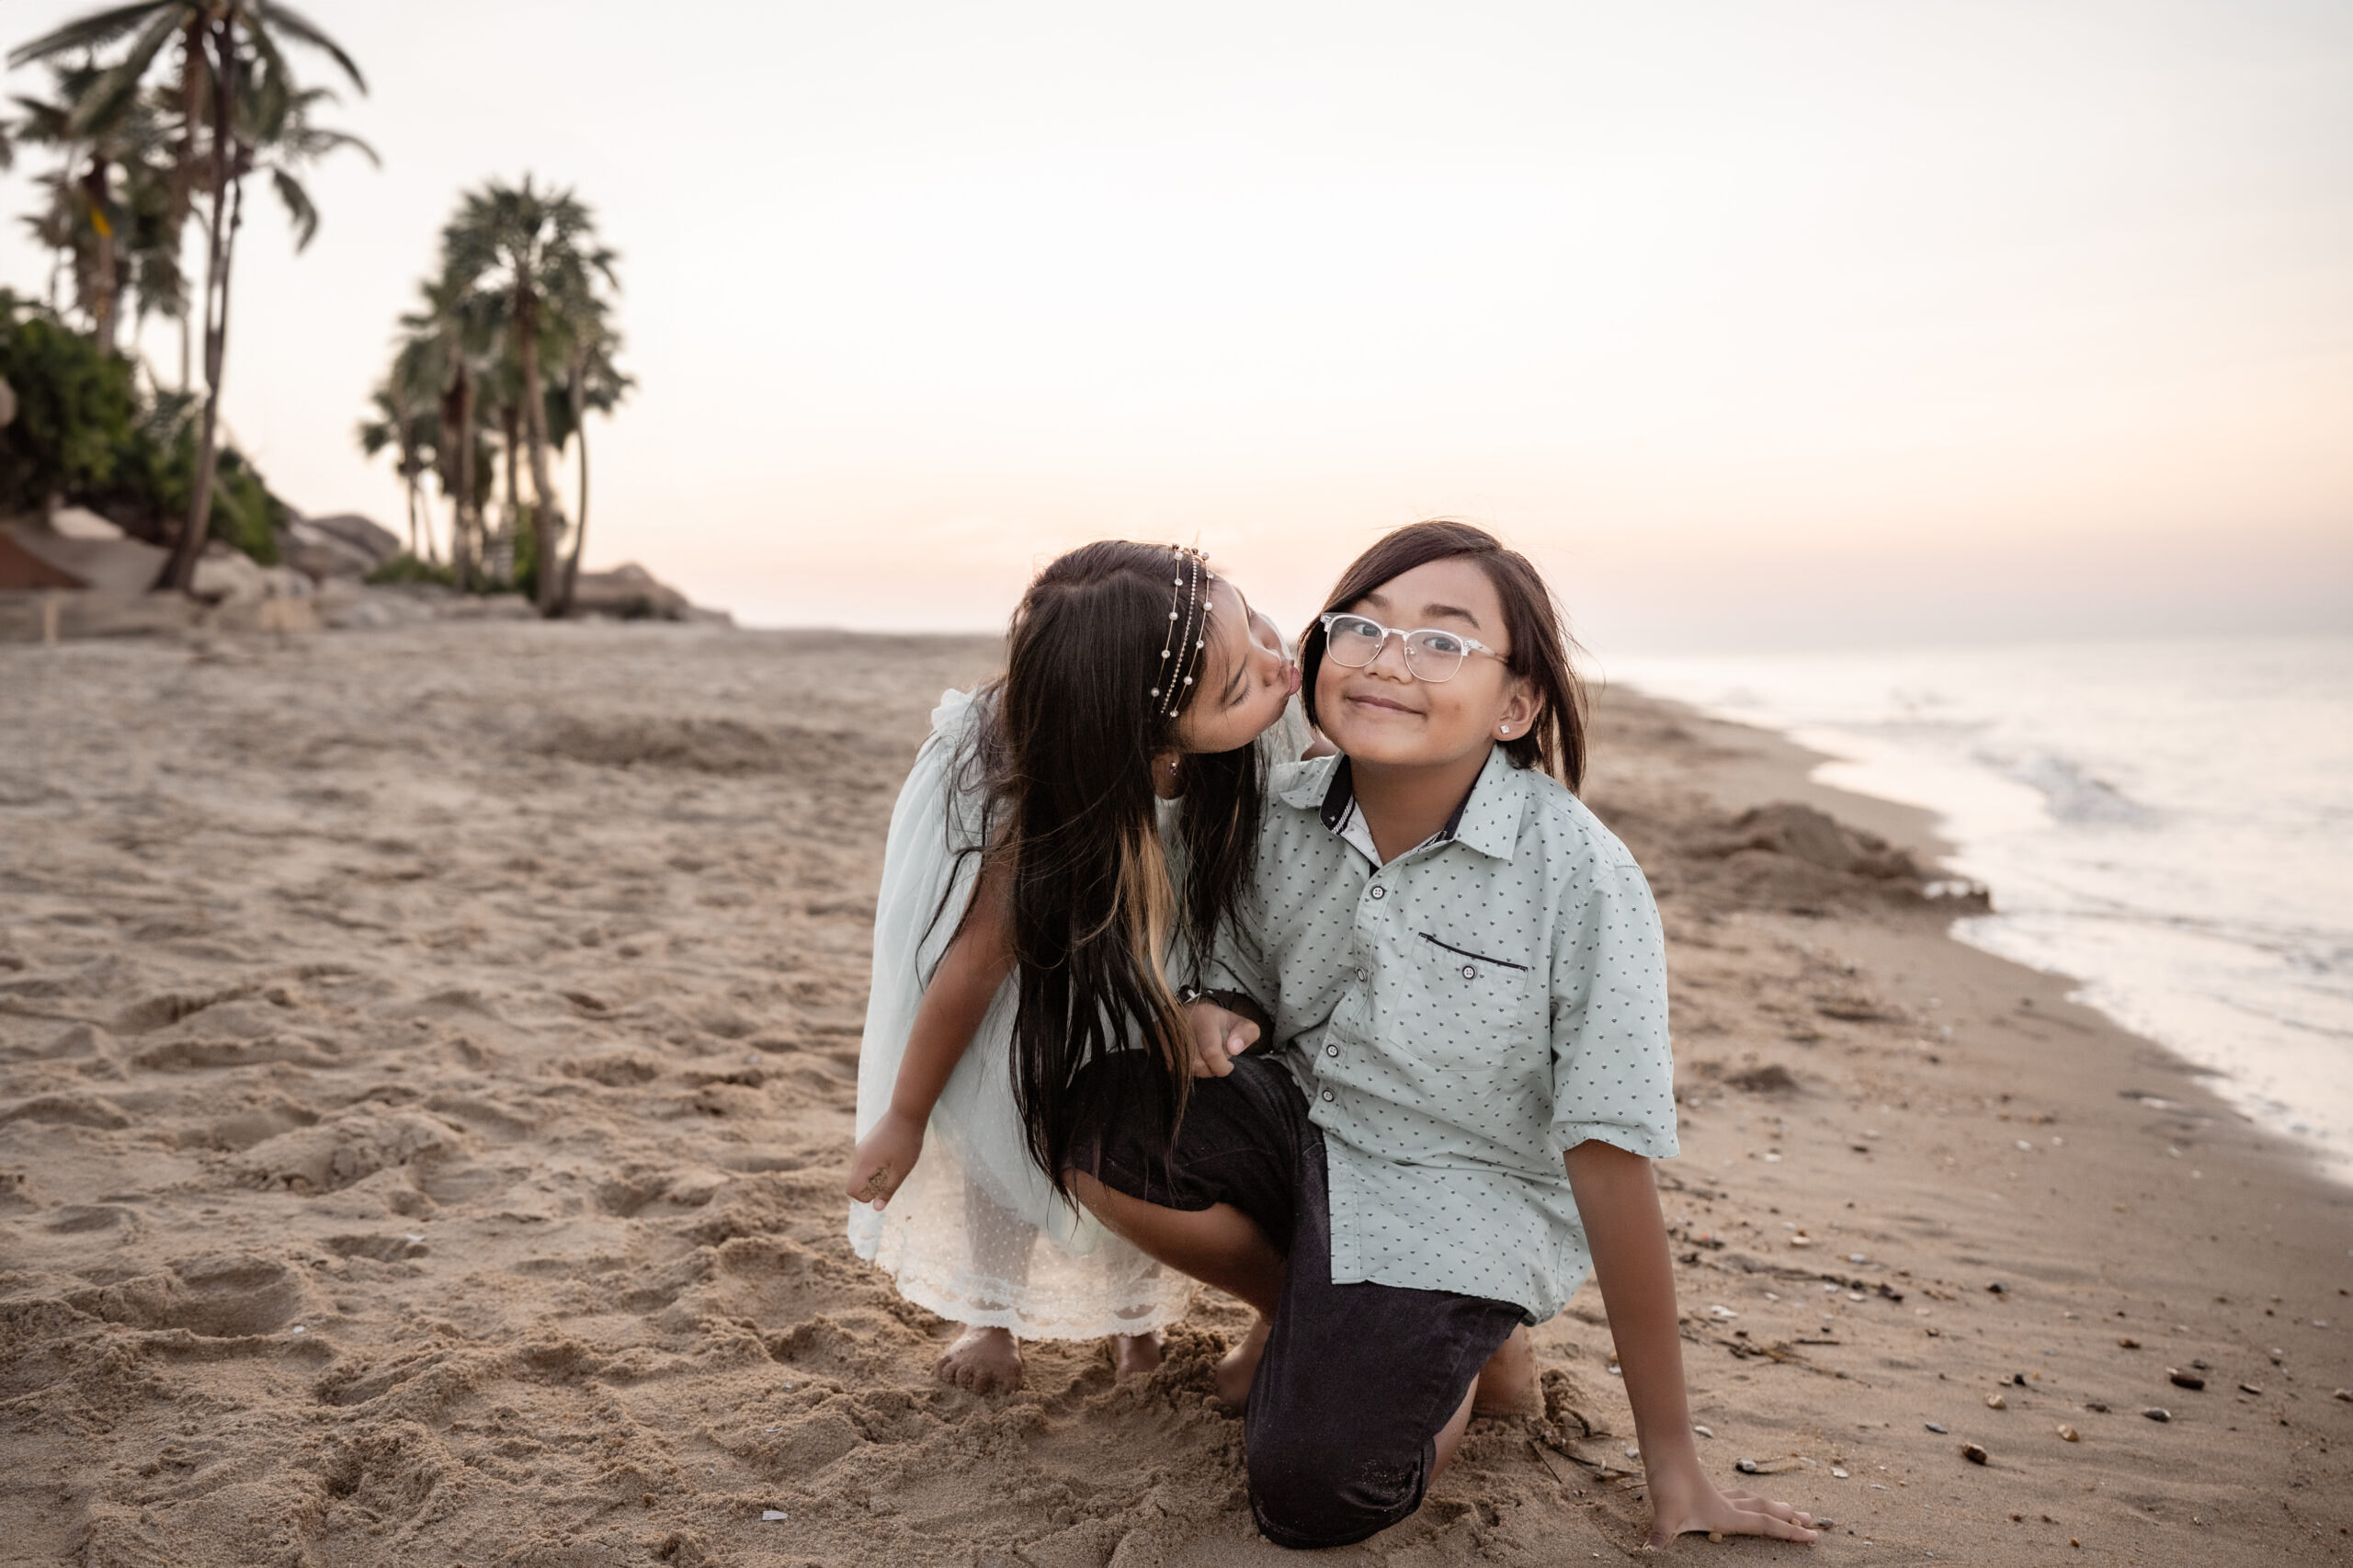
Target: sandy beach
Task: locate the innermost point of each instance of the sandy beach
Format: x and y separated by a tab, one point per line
426	1059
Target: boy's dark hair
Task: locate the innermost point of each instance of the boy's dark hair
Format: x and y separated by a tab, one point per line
1532	620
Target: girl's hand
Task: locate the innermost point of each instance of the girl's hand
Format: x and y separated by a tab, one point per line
1218	1037
1680	1505
883	1159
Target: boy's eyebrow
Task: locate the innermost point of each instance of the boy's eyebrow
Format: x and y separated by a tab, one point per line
1438	612
1430	612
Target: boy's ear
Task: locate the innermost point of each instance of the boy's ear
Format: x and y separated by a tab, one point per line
1523	705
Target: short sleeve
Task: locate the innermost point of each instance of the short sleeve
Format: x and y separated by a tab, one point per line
1613	1074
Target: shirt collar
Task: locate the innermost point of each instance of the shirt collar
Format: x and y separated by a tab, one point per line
1487	819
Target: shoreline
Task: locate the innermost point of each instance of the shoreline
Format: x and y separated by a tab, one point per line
426	1061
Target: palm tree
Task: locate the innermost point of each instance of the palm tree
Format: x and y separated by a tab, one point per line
109	208
591	381
530	246
234	80
447	348
407	428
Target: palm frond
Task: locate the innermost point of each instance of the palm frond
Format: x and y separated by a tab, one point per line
300	210
282	19
93	31
113	92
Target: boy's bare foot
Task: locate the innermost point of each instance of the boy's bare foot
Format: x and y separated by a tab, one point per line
1238	1366
1132	1355
985	1360
1506	1383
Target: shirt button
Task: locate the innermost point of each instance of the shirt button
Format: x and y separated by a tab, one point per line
1328	1094
1469	973
1331	1051
1380	892
1363	974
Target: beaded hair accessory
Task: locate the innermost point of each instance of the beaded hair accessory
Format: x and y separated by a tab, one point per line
1188	614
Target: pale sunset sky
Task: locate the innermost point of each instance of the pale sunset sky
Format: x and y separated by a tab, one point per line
1760	325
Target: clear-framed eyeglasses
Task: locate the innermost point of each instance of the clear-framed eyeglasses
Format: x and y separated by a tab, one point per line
1431	654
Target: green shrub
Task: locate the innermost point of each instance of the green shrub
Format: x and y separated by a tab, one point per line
407	568
85	433
74	407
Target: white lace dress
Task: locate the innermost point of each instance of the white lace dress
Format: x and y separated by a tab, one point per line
975	1233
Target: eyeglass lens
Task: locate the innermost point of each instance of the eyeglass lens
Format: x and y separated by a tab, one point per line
1430	655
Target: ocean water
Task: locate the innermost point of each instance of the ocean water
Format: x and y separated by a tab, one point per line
2169	822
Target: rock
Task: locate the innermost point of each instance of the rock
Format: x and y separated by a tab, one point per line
2182	1380
1972	1453
2249	1388
80	522
2129	1342
346	547
2346	1394
1998	1289
1939	1428
2100	1405
2068	1434
1995	1402
125	567
629	592
2158	1413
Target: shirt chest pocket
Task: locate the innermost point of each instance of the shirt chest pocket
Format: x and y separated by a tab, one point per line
1463	992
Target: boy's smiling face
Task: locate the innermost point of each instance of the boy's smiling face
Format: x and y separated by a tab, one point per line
1383	714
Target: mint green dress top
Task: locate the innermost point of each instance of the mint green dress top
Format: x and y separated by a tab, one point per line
1459	1018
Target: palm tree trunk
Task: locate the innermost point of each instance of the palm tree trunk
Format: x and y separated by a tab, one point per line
458	413
546	517
579	524
106	290
180	571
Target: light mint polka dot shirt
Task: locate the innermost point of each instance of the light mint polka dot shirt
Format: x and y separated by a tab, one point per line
1459	1017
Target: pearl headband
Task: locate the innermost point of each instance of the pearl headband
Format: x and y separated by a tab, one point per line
1188	614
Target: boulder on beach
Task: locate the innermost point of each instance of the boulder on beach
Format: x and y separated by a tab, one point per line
345	546
629	592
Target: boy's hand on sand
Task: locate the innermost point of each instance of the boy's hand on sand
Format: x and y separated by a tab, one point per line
1680	1505
883	1159
1218	1037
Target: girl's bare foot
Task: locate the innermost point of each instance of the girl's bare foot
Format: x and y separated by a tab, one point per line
985	1360
1132	1355
1506	1383
1238	1366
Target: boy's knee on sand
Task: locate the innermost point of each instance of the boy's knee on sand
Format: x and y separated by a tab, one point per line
1313	1496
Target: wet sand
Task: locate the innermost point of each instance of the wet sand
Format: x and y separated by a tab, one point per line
425	1067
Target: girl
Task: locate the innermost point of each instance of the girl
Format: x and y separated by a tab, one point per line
1464	977
1041	824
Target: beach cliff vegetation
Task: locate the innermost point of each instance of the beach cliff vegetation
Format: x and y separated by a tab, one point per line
87	433
164	106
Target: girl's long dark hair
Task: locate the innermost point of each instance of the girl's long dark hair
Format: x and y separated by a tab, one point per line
1532	621
1067	758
